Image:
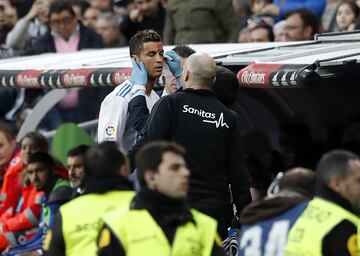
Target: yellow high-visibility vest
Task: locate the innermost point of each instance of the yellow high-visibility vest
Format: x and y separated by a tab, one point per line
139	234
81	219
317	220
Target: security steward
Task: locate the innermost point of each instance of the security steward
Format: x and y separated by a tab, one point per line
328	225
159	221
76	227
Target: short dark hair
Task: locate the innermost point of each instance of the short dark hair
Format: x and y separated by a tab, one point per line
141	37
226	86
78	150
308	18
268	28
61	5
83	4
150	157
334	163
43	157
38	139
299	179
183	50
104	159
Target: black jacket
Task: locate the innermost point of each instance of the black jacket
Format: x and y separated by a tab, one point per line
89	39
270	207
208	131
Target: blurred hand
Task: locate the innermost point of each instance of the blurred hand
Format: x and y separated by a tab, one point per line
139	75
33	11
136	15
271	9
173	61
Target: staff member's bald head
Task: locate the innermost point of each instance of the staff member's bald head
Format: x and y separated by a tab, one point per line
199	71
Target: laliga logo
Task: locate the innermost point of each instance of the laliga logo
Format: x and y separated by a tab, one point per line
252	77
110	130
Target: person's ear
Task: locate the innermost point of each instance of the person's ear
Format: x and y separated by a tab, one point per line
186	75
149	178
335	183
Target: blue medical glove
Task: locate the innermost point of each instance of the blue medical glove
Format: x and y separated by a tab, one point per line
173	61
139	75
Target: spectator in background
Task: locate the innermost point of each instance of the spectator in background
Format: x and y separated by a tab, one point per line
277	212
91	15
7	148
22	6
102	5
242	10
252	22
194	21
244	36
108	27
123	7
76	168
107	189
301	25
257	6
328	225
147	14
8	19
279	8
328	18
41	171
346	15
79	7
10	192
33	25
66	34
262	33
279	30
